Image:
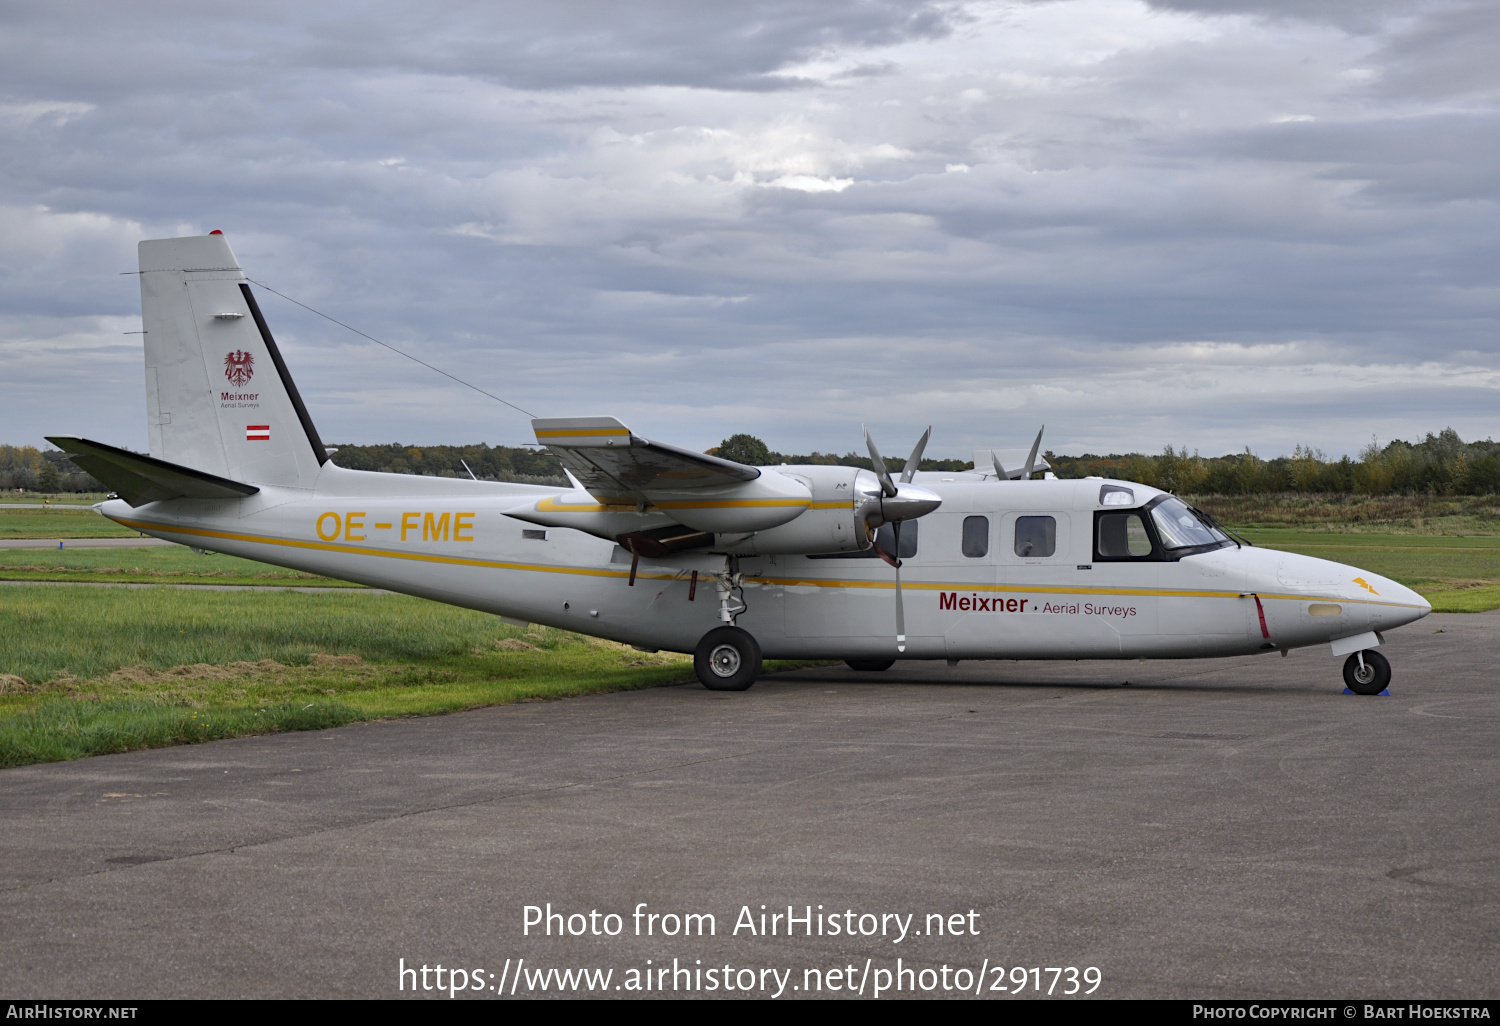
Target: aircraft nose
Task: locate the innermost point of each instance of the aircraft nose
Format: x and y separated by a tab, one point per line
908	503
1416	606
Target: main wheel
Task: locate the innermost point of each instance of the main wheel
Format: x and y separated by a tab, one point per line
874	665
727	659
1370	679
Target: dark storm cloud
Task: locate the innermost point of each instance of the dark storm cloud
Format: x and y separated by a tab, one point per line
560	45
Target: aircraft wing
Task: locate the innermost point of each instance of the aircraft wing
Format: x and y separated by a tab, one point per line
614	465
141	479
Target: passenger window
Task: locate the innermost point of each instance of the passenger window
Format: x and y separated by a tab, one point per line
976	537
1123	536
885	540
1036	536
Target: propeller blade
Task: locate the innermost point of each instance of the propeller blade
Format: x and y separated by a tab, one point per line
1031	458
1000	472
900	609
887	486
916	456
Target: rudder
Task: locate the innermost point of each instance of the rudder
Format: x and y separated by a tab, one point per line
218	395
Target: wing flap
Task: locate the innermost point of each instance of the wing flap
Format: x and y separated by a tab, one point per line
141	479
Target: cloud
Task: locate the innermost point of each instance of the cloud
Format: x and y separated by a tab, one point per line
1207	223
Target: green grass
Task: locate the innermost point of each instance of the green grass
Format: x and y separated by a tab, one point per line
1456	574
62	729
61	522
1359	514
173	564
55	498
91	670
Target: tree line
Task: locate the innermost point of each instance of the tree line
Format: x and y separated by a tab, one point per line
27	468
1439	464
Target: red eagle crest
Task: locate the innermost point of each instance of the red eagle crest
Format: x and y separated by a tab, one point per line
239	368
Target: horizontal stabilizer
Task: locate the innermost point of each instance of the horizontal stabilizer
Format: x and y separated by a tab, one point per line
1013	460
141	479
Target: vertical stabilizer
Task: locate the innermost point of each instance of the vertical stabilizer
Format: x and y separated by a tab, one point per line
218	396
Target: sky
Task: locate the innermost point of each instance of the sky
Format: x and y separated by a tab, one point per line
1203	223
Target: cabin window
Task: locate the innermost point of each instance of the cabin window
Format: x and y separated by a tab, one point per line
885	540
1036	536
976	543
1114	495
1123	536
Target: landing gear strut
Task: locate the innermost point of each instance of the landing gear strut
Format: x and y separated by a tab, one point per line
731	586
1367	672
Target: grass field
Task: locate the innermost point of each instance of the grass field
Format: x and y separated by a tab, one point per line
173	564
55	498
90	670
59	522
1359	514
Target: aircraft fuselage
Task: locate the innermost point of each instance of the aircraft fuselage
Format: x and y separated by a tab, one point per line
1029	582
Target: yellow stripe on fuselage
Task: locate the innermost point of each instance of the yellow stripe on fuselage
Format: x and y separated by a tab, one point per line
423	557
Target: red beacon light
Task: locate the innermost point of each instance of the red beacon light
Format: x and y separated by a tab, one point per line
216	232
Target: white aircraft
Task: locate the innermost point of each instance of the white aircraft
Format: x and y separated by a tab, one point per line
665	548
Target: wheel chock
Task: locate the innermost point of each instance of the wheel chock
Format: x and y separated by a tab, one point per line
1384	694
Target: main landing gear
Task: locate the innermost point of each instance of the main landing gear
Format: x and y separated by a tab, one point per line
872	665
1367	672
727	659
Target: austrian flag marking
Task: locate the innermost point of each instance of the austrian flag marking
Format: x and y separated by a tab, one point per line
257	432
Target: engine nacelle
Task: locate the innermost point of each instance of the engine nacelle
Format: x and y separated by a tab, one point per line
582	512
830	524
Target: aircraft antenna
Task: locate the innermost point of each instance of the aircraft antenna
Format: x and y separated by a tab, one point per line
392	348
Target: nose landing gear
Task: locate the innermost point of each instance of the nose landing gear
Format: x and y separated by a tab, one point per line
1367	672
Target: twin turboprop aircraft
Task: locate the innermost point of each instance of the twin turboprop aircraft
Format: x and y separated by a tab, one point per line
666	548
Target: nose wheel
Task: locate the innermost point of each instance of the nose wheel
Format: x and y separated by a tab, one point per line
1367	672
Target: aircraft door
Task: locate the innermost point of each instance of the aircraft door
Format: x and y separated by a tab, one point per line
1036	562
959	596
1119	586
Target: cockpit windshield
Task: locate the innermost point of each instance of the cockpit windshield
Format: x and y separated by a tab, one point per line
1181	528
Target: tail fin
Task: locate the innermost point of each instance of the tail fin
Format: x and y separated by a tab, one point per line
218	395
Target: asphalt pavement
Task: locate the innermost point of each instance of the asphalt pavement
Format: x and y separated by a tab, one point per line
1215	829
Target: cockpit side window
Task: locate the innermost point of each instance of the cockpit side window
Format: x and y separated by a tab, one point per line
1121	536
1179	526
976	538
